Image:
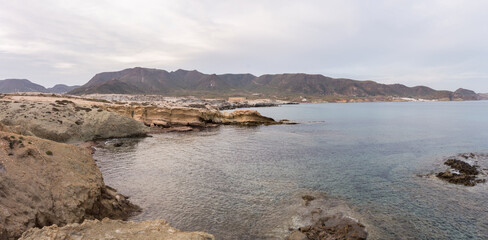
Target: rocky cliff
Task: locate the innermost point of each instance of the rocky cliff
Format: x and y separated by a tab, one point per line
43	182
113	229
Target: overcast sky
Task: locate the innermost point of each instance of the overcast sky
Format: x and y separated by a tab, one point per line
442	44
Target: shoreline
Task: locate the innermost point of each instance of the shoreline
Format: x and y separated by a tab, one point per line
293	206
185	119
223	104
83	122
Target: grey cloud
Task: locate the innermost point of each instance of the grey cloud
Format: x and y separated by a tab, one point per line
436	43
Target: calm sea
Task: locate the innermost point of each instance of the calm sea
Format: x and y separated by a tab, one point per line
242	182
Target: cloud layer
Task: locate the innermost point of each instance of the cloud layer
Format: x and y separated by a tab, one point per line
441	43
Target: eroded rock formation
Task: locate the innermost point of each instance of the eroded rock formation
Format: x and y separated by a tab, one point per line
194	117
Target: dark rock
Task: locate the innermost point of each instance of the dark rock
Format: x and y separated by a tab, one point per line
462	167
333	227
326	218
467	173
308	199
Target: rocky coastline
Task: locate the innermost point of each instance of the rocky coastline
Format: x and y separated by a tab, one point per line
164	117
50	183
73	119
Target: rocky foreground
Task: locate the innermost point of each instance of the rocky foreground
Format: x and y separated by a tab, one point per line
114	229
43	182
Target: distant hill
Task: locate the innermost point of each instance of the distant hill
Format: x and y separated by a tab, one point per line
182	82
24	85
61	88
483	96
467	94
20	85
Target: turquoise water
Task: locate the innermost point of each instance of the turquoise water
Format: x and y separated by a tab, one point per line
236	182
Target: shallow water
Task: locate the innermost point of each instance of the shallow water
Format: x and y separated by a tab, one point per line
239	182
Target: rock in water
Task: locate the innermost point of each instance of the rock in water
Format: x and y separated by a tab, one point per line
323	218
44	182
468	174
114	229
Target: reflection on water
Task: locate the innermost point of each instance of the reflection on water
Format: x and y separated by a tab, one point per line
239	183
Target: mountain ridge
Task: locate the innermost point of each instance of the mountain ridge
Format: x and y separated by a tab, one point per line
286	85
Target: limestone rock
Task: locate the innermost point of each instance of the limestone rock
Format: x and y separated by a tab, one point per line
246	117
64	121
193	117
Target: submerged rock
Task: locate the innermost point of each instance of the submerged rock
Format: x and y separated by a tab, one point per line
43	182
331	227
114	229
466	174
462	167
308	199
322	222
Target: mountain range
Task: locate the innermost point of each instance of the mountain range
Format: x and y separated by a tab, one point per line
24	85
291	86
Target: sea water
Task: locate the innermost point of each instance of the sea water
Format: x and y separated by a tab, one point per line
239	182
